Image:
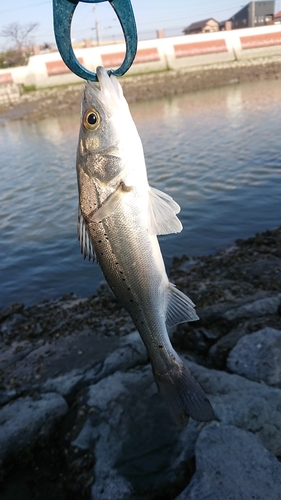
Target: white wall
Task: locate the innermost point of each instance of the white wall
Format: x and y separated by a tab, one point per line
153	55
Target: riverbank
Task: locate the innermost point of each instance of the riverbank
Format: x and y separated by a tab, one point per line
64	434
57	101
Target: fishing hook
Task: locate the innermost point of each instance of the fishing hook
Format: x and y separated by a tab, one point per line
63	11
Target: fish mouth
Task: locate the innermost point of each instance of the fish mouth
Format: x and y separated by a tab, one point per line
108	92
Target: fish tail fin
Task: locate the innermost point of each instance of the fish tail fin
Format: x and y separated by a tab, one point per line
184	396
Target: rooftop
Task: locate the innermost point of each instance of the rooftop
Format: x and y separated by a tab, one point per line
200	24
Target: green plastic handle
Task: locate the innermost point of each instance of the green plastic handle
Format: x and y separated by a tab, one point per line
63	11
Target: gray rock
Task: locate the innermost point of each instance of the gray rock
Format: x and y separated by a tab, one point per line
187	264
7	396
220	350
138	449
25	420
243	403
131	352
257	308
136	445
10	323
63	384
232	464
15	308
258	357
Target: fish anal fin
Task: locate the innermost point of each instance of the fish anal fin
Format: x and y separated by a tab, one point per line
180	307
86	245
162	213
184	396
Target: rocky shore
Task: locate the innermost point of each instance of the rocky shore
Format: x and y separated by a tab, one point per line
80	413
56	101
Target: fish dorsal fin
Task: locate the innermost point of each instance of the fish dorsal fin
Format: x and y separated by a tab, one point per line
86	245
180	308
162	213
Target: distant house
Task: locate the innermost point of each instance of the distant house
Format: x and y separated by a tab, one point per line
254	14
205	26
277	17
225	25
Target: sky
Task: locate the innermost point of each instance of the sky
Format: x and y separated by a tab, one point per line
171	15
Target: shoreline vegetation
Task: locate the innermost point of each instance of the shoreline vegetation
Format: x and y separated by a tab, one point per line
56	101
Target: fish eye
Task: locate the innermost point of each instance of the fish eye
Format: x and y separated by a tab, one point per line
92	119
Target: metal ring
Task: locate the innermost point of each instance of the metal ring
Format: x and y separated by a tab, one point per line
63	12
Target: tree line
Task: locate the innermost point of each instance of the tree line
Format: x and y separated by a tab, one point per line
19	44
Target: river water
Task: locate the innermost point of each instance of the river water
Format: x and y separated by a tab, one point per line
217	152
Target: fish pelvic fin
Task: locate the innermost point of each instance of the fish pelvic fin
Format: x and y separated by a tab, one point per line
184	396
180	307
162	213
86	245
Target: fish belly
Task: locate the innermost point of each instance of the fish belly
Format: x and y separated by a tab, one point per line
131	261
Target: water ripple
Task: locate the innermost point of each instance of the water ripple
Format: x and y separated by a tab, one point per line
216	152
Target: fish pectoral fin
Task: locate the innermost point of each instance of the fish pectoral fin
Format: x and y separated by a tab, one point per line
86	245
183	395
180	307
162	213
111	204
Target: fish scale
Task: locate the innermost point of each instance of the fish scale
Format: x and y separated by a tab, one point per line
120	216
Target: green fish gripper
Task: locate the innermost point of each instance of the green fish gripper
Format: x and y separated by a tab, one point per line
63	11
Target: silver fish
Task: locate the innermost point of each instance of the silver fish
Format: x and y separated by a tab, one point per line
119	219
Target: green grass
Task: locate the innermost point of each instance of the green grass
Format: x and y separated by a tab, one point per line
29	88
